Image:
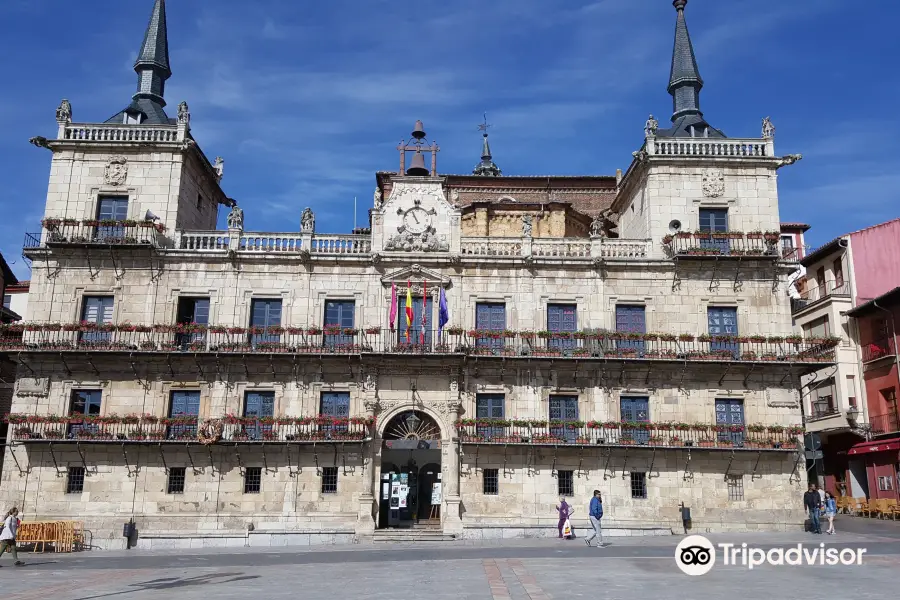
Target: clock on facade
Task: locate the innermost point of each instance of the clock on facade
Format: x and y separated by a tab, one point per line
416	220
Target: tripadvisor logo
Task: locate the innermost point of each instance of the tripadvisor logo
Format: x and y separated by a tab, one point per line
696	555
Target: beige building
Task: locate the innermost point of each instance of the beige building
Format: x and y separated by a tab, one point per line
622	333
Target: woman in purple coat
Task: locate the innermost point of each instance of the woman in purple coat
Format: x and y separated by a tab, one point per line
563	510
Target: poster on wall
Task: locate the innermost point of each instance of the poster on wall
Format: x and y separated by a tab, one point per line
404	492
436	494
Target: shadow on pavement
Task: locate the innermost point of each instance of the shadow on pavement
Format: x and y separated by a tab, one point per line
169	583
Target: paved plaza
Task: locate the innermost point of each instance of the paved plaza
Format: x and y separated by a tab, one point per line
510	569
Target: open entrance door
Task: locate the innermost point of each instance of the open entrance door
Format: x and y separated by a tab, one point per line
410	471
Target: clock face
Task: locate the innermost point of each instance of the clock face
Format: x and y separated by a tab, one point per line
416	220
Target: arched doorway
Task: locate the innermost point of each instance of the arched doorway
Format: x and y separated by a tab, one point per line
410	470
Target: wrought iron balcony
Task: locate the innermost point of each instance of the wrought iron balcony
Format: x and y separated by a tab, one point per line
882	424
93	232
705	244
879	349
818	293
188	429
616	433
581	345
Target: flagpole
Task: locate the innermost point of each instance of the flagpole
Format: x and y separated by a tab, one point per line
354	214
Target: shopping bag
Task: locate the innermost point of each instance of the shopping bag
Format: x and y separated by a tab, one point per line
567	529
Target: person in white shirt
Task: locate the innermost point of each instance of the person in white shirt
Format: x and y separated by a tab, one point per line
8	535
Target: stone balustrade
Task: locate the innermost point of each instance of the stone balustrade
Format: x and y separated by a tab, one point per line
564	248
121	133
708	147
555	247
341	244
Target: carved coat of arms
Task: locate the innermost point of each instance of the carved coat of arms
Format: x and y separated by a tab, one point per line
116	170
713	183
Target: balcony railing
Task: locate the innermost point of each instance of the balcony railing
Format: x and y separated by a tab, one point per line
93	337
122	133
820	292
883	348
823	410
722	244
97	233
615	433
554	247
183	429
882	424
707	147
261	242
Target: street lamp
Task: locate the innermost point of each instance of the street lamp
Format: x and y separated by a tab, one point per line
852	415
412	422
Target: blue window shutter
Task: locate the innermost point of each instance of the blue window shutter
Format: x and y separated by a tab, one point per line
335	404
415	329
259	404
113	208
339	313
631	319
490	406
185	403
722	320
713	219
98	309
730	412
265	313
201	311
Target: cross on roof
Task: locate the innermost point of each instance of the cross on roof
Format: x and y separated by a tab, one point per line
484	126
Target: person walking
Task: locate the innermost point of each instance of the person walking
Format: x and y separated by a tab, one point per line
595	512
813	502
830	512
564	510
8	535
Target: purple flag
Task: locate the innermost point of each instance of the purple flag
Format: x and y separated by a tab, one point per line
443	311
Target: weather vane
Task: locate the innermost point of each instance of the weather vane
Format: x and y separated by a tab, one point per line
484	126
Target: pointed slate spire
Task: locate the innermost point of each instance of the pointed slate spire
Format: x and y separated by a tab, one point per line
486	167
152	65
684	81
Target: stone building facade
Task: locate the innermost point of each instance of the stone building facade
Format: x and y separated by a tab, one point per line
621	333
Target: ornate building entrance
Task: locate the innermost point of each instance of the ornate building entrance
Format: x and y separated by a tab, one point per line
410	487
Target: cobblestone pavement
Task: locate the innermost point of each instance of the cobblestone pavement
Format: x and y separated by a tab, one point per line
512	569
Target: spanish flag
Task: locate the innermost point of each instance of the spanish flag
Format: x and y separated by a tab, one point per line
409	308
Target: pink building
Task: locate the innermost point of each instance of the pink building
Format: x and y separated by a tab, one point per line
842	275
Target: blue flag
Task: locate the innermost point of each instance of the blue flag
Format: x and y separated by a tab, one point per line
443	311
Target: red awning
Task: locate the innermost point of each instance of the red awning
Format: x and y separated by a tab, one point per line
875	446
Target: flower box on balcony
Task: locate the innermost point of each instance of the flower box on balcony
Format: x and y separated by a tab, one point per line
583	440
626	441
706	444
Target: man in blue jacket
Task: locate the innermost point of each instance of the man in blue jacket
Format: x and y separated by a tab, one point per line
595	512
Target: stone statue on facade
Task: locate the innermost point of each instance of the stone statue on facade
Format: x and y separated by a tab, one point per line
184	113
454	198
219	166
768	130
379	198
526	226
651	127
308	221
236	218
64	112
597	230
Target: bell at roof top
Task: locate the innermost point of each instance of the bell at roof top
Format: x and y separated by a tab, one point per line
419	131
417	166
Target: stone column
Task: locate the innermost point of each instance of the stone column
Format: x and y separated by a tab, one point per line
365	522
452	500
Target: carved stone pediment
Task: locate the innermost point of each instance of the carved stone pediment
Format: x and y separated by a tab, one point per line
415	274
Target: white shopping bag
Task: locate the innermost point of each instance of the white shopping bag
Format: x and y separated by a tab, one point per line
567	529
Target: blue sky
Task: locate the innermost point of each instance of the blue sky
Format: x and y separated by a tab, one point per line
306	100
